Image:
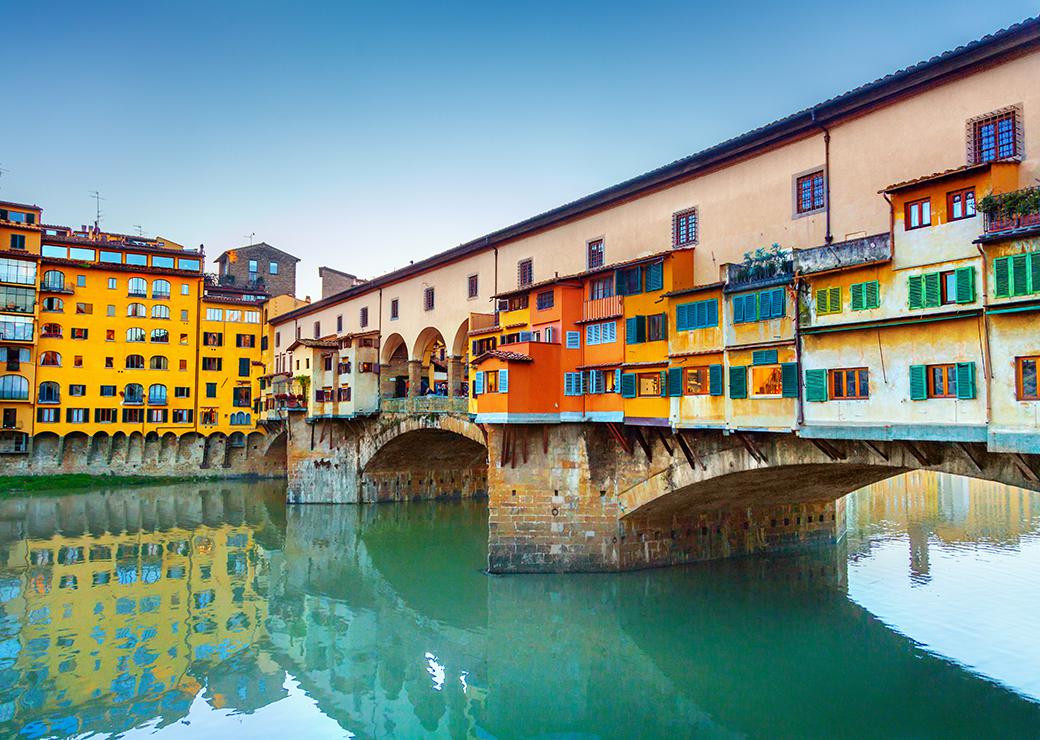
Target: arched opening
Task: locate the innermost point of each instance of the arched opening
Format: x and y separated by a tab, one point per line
431	352
393	372
459	379
426	464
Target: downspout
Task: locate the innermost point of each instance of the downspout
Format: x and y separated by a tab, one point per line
828	238
798	347
987	366
379	383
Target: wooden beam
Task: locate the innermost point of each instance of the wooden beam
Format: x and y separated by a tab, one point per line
971	458
825	448
619	436
1021	464
751	447
503	454
523	445
664	441
545	439
642	443
917	453
690	451
876	448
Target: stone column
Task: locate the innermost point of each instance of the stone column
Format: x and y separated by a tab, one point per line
454	376
414	377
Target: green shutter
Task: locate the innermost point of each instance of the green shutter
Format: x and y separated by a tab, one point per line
932	294
655	276
915	291
675	381
1034	272
738	309
873	294
632	330
966	380
815	385
628	385
738	382
965	277
715	380
764	357
789	379
823	302
918	382
684	316
1002	277
858	296
664	383
1020	274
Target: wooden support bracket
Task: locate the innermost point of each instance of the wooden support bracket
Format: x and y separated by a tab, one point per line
877	449
751	447
642	443
523	445
689	449
545	439
823	447
664	442
619	435
1022	465
971	458
916	452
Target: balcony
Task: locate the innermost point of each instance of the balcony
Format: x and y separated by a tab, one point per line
483	321
1019	209
761	269
864	251
597	309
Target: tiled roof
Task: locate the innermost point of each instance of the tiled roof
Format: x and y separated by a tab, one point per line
499	354
315	343
962	60
952	172
12	204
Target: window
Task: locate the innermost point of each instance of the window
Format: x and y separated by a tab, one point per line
160	289
182	391
630	281
159	336
17	241
364	317
395	309
472	286
135	362
960	204
243	367
994	136
233	315
934	289
212	363
766	381
14	388
211	390
77	389
108	390
133	416
84	309
158	362
696	381
185	289
810	193
184	314
22	300
110	362
183	416
157	394
241	396
573	384
942	381
159	311
573	340
544	300
17	271
157	416
105	416
272	268
254	267
47	416
684	228
317	329
55	305
245	340
649	384
214	314
656	327
697	315
601	288
767	304
1026	378
918	214
110	310
77	360
605	333
428	298
133	393
212	339
865	295
594	254
50	392
524	272
78	333
252	317
112	283
77	416
137	287
81	281
851	384
50	359
136	310
49	331
13	357
828	300
53	280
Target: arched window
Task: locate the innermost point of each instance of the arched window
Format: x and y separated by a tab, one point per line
133	393
135	334
160	336
159	311
50	303
50	331
137	310
240	418
14	388
160	289
50	359
157	394
158	362
50	392
135	362
53	280
138	288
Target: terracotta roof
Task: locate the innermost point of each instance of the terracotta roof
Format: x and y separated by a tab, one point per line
936	176
503	355
963	60
694	289
315	343
26	206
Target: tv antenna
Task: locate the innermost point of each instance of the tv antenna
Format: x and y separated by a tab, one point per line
140	231
3	172
97	207
251	236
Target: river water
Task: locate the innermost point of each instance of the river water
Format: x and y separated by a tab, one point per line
213	611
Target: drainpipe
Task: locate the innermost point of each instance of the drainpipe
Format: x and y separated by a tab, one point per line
891	225
988	367
826	175
798	347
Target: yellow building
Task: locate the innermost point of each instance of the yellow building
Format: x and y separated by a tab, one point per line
230	362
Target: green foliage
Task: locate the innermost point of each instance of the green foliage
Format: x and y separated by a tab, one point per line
1008	205
305	385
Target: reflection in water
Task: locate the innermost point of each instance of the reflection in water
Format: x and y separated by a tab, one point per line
157	608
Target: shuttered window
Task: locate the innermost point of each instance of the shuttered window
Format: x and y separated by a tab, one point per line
628	385
816	385
654	277
715	380
478	383
573	340
573	384
766	304
1016	275
738	382
629	282
675	381
764	357
828	300
865	295
635	330
503	381
928	290
697	315
605	333
952	380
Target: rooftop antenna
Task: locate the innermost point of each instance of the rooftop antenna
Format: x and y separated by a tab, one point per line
3	171
140	231
97	207
251	236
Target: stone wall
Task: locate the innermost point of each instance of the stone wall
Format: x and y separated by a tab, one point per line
216	455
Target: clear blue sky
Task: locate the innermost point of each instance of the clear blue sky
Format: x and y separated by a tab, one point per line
365	135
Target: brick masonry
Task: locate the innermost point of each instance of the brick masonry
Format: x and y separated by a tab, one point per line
281	284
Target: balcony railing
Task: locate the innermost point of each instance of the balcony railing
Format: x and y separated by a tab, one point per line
865	250
426	405
1015	210
602	308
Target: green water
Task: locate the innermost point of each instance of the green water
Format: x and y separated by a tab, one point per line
209	610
